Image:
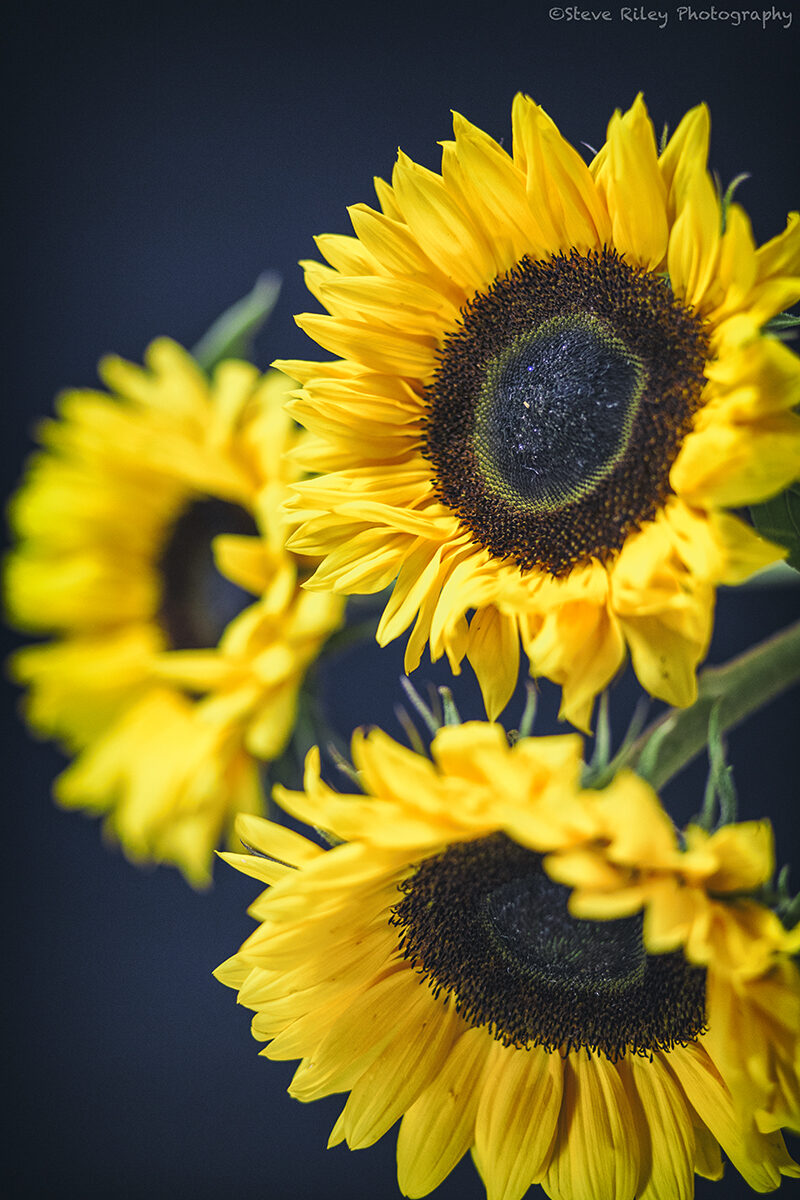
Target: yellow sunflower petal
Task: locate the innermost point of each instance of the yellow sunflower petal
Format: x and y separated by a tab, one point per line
581	647
497	188
670	1171
280	843
494	640
438	1128
400	1073
445	233
745	853
760	1159
694	240
346	254
354	1040
634	190
516	1122
593	1150
555	170
394	246
403	354
781	254
735	466
686	149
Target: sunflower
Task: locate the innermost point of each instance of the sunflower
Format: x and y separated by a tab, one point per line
428	964
555	383
697	892
145	526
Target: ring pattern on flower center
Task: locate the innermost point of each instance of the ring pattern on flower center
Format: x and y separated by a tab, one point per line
559	405
546	433
197	602
485	924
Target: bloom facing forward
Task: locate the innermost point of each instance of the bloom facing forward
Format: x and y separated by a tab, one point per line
429	966
554	384
145	527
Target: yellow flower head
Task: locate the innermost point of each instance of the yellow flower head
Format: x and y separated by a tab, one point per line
428	965
145	527
697	894
554	383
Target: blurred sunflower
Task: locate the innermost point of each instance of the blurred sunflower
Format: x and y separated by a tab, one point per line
145	527
429	965
698	893
555	382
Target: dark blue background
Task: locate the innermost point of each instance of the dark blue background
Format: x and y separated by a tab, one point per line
159	158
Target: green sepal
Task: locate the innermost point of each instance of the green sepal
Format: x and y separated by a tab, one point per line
786	905
450	713
440	712
726	198
232	334
662	141
603	765
526	721
779	520
719	802
343	765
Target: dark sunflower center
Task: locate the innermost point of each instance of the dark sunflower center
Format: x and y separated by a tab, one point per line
197	602
527	920
555	413
559	405
483	922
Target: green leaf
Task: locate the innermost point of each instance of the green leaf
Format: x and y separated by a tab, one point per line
779	520
781	323
231	335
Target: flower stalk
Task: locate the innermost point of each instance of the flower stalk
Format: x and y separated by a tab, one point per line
733	691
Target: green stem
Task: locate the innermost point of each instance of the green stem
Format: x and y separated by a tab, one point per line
737	689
